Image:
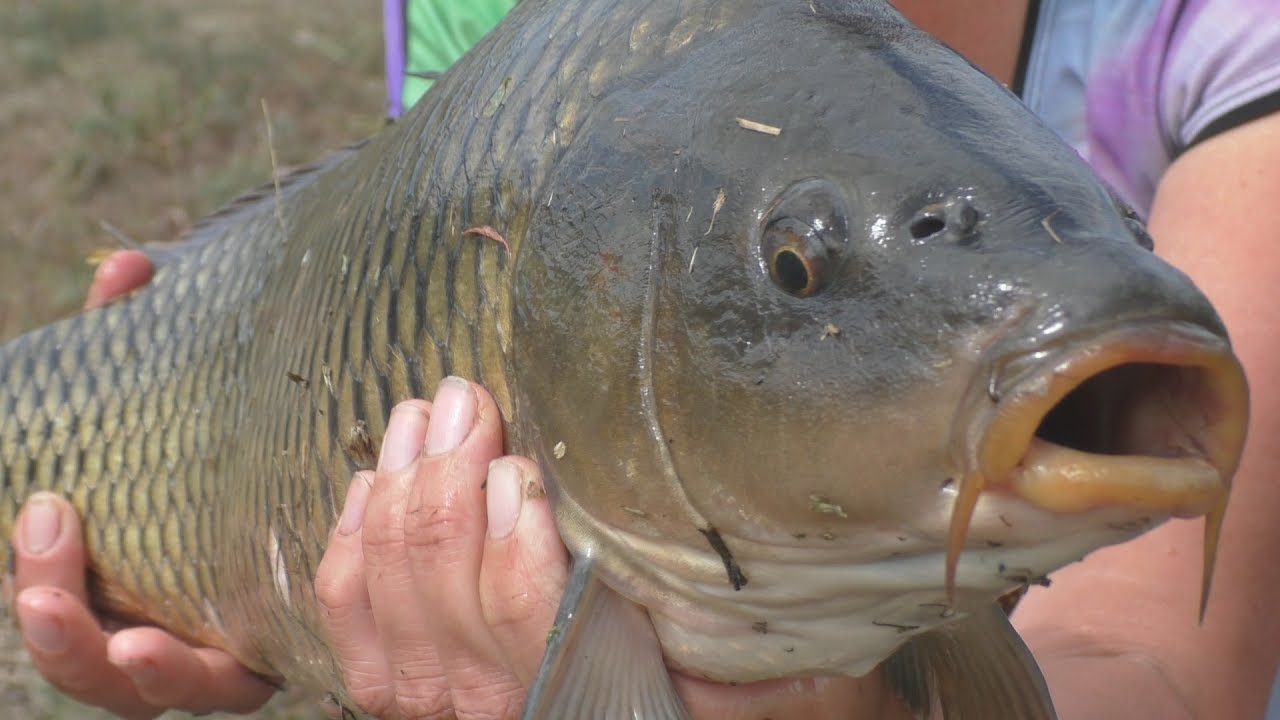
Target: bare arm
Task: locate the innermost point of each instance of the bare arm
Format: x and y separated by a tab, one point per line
1133	608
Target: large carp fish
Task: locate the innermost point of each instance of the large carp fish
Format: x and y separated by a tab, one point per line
822	341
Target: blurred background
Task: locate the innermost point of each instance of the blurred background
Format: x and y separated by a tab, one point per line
142	116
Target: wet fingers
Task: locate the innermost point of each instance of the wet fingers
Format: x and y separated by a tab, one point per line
418	687
120	273
168	673
445	536
525	564
48	547
69	649
343	593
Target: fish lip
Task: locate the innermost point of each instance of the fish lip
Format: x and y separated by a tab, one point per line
1005	408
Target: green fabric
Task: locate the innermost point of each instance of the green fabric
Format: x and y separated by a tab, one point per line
438	32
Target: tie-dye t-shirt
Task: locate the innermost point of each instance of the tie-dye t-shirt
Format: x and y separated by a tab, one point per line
1133	83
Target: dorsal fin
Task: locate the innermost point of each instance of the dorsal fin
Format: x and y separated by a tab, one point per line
242	208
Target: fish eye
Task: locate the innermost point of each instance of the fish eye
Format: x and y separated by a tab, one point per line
805	238
794	265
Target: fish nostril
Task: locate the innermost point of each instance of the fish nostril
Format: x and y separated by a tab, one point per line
926	226
957	218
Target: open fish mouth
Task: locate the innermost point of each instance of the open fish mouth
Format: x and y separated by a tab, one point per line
1150	417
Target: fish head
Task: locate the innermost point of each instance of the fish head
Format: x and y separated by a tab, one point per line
827	339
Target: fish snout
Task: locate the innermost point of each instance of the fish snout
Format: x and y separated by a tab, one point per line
955	219
1149	417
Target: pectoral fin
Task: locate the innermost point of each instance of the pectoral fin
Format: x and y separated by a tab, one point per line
603	660
976	668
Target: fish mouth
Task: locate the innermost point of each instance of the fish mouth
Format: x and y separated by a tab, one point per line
1150	417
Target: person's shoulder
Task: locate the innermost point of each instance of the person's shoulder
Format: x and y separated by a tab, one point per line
1220	65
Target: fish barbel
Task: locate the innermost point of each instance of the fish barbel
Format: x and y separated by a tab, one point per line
822	340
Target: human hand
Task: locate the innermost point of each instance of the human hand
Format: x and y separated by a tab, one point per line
444	574
135	672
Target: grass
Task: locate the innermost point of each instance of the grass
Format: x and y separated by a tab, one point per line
146	116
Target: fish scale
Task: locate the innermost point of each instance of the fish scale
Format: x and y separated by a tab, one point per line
226	405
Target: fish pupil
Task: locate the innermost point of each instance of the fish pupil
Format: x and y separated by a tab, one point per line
792	272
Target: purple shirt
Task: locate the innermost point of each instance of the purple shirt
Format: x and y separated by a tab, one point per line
1132	83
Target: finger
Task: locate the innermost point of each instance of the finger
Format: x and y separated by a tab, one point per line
403	619
49	547
167	672
67	642
444	534
69	649
525	566
343	593
120	273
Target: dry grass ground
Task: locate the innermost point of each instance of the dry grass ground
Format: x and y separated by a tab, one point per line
145	115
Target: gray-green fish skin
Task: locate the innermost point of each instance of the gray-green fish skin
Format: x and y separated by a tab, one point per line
629	326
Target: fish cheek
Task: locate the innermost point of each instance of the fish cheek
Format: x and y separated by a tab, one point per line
583	288
779	427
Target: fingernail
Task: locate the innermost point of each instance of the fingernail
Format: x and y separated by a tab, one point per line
330	706
403	441
453	412
142	672
503	498
357	497
44	633
41	524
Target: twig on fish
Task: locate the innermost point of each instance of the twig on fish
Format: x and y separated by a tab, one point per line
326	374
716	206
275	166
895	626
360	445
488	232
496	100
821	504
119	235
737	578
693	257
759	127
1048	228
